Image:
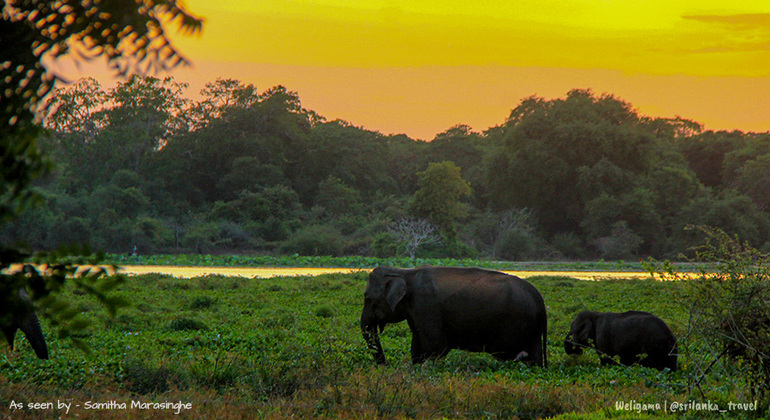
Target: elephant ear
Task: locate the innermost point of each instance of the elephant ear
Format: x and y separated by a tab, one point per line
588	331
396	290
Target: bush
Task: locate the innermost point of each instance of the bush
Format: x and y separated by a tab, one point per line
69	230
568	245
315	240
279	319
448	249
522	245
729	313
384	245
324	312
202	302
621	243
186	324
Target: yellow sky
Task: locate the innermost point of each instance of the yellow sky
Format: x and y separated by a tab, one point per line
419	67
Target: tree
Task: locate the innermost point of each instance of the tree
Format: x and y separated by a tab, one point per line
77	110
337	199
271	128
706	154
146	112
357	157
730	211
413	233
466	149
753	179
75	119
133	39
438	199
550	147
222	97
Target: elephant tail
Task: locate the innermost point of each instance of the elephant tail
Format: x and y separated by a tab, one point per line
545	342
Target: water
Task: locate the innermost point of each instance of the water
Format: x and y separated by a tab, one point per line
269	272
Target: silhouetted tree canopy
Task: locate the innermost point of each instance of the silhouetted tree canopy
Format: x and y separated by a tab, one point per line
249	170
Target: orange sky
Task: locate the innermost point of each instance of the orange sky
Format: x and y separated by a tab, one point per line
421	66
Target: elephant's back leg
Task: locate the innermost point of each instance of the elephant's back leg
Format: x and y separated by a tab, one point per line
518	345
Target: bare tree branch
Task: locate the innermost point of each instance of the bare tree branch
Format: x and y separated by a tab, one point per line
414	233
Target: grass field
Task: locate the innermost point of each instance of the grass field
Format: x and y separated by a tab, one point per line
229	347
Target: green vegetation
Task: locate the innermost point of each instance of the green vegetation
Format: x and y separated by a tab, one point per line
729	312
292	347
205	260
139	168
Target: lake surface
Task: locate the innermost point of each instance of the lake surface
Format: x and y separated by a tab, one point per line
269	272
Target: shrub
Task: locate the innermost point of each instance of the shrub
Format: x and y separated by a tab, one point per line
201	236
202	302
384	245
186	324
315	240
621	243
279	319
521	245
568	244
729	313
324	312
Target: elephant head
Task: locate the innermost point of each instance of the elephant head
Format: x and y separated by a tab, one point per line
21	316
384	292
582	333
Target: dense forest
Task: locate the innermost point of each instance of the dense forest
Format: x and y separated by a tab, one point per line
140	168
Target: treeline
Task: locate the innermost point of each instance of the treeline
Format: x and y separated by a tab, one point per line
139	168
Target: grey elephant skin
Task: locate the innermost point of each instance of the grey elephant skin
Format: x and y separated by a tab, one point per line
22	317
634	336
456	308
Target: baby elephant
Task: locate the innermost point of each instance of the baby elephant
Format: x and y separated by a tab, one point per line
635	336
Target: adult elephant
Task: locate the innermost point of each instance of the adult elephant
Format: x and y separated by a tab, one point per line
634	336
456	308
20	315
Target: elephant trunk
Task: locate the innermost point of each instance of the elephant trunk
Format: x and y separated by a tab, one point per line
31	328
570	346
369	330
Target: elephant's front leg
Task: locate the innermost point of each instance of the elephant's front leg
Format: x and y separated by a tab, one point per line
422	352
417	354
427	343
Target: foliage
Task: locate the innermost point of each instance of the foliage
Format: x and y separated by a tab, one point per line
315	240
552	146
621	243
356	261
132	38
243	170
337	199
440	189
292	347
729	314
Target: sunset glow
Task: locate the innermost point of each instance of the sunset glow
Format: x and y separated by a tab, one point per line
420	67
